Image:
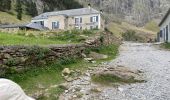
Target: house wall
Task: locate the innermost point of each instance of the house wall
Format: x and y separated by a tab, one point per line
163	28
86	24
60	18
44	20
69	22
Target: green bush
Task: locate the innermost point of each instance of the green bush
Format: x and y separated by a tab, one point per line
129	35
11	62
87	32
37	54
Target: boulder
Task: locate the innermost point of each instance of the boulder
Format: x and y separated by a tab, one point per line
66	72
97	56
7	56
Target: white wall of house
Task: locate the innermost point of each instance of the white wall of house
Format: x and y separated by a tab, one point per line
85	24
86	21
164	30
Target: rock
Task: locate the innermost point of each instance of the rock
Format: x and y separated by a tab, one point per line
66	91
23	59
88	59
40	86
74	96
120	89
93	62
96	89
66	72
96	56
83	55
69	79
87	74
7	56
64	86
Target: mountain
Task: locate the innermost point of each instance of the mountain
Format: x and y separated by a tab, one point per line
137	12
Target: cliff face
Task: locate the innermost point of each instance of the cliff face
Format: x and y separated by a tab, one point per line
137	12
134	11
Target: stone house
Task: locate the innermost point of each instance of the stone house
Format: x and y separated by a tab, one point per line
83	18
164	34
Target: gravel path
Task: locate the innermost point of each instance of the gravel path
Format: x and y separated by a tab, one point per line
153	62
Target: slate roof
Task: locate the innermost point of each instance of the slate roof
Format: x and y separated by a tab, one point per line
72	12
12	26
28	25
165	17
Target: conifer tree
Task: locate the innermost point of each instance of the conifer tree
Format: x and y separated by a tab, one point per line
19	9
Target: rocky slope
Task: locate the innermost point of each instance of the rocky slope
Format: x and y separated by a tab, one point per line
134	11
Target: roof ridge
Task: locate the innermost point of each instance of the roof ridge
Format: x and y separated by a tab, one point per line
164	18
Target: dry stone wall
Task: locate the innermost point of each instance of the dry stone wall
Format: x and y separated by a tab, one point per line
18	57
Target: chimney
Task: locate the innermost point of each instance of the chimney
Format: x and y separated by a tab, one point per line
101	11
89	6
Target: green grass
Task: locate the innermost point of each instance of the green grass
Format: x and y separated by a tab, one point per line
50	75
110	50
46	76
109	79
12	39
10	17
166	45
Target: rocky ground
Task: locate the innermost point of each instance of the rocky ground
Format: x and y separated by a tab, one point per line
153	62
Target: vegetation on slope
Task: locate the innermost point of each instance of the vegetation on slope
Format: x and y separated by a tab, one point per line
166	46
45	38
119	28
38	79
152	25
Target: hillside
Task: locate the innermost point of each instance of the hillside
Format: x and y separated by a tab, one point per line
10	18
137	12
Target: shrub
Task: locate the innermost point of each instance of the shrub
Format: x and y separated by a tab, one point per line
87	32
11	62
129	35
37	54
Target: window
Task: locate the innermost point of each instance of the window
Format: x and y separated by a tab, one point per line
42	23
161	34
78	20
167	33
94	19
55	25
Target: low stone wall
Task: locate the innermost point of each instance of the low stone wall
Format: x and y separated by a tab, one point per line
17	57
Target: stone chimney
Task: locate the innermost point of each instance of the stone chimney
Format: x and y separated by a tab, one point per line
89	6
101	11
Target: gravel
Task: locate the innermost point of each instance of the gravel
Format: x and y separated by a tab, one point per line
155	64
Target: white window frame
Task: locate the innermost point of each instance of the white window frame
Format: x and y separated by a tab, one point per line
80	20
57	23
94	18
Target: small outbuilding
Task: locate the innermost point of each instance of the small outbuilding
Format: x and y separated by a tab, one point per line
164	34
15	28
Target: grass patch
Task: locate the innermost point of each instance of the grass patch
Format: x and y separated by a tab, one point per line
46	76
10	18
109	79
152	25
166	45
73	35
12	39
110	50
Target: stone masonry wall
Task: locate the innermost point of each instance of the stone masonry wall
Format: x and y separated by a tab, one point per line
18	57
